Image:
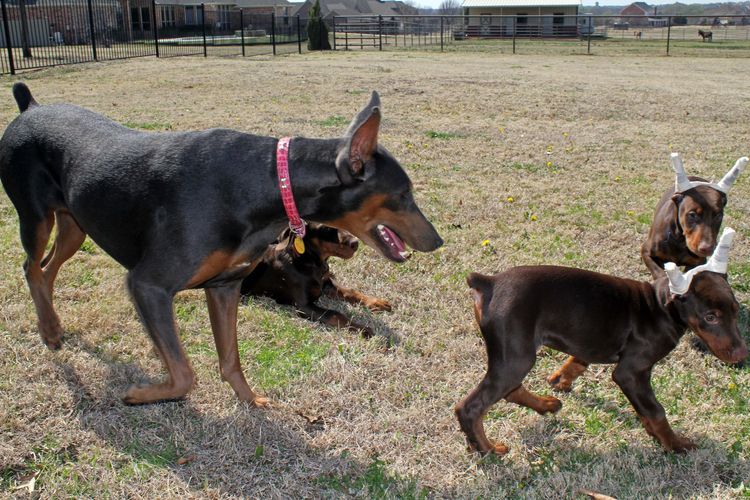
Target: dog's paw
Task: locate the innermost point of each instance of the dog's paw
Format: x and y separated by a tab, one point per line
559	383
379	305
260	402
681	444
549	404
52	335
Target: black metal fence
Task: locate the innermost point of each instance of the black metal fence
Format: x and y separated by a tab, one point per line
41	33
582	33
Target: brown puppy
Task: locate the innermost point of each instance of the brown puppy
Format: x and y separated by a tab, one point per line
597	319
687	220
300	279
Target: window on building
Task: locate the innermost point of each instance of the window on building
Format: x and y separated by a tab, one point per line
558	18
222	17
193	15
140	19
522	18
167	16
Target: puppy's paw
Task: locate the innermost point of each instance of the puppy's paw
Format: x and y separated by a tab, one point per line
559	382
549	404
681	444
378	305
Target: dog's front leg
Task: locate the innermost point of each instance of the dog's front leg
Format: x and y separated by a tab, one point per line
222	310
333	289
636	384
333	318
154	306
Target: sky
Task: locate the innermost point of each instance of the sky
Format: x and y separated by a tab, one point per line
436	3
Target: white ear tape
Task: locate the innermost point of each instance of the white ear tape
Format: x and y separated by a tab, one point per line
679	282
682	183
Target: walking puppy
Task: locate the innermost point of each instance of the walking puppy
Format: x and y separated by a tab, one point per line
598	319
191	210
300	279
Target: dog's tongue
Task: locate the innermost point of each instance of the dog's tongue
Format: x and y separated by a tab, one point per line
390	237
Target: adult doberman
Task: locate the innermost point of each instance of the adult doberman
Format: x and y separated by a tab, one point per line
191	210
598	319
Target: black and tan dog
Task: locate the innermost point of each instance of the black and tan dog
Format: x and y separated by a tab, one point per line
597	319
300	280
190	210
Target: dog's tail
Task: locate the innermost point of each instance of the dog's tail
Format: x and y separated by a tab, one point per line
23	96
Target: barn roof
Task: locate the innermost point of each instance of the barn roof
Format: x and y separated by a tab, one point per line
521	3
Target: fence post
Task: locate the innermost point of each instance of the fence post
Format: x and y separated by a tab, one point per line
8	43
203	29
333	28
156	33
299	35
441	33
669	31
514	34
242	31
91	29
591	28
273	31
380	32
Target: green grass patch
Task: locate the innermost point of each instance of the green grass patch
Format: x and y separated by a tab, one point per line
434	134
374	482
284	352
148	125
334	121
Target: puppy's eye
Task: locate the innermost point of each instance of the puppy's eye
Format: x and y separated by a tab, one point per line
711	318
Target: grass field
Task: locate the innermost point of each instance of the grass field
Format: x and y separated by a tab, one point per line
516	160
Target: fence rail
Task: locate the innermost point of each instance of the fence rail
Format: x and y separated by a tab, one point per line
41	33
580	32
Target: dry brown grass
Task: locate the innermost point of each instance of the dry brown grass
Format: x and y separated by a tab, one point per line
472	130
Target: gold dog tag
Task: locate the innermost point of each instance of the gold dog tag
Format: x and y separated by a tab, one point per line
299	245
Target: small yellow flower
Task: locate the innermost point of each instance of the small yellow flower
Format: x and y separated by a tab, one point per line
565	134
501	130
618	179
732	386
533	217
485	243
510	199
630	213
549	163
669	146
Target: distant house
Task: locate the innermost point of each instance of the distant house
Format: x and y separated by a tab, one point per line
532	17
641	9
220	15
332	8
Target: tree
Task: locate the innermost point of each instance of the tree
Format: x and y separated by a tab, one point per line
317	31
450	8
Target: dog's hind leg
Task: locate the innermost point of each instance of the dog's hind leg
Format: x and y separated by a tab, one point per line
154	306
222	310
68	240
333	318
35	233
563	378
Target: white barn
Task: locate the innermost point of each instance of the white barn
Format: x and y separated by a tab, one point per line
544	18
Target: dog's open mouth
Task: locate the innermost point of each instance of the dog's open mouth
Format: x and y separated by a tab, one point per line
391	244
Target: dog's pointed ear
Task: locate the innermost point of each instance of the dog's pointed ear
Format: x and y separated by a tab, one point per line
361	141
677	199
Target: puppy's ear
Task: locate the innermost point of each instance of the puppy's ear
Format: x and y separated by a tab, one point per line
361	142
677	199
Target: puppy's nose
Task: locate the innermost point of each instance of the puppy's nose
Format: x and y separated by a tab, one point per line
354	245
706	248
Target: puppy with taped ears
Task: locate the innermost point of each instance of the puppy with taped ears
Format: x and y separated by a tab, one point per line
596	318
